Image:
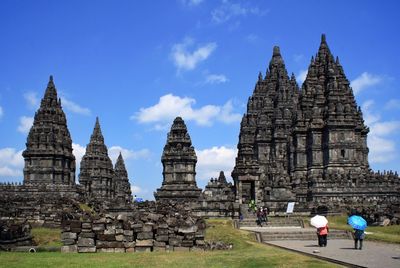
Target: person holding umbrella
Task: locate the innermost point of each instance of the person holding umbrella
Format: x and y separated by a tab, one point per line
359	224
321	223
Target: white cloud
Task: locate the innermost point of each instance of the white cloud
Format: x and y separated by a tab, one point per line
11	162
114	151
365	80
382	148
252	38
216	79
228	10
78	151
25	124
31	99
1	112
213	160
301	76
392	104
170	106
191	2
136	189
73	107
186	60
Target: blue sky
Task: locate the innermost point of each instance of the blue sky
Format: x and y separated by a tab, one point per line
138	64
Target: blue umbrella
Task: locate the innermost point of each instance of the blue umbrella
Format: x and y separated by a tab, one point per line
357	222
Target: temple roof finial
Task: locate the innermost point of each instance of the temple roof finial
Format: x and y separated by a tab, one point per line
276	51
323	39
51	78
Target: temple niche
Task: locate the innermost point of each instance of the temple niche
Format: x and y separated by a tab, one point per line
179	166
308	144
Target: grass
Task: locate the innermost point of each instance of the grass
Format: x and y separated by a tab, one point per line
47	237
389	234
246	252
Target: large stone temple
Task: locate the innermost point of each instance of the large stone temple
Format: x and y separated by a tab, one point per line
307	145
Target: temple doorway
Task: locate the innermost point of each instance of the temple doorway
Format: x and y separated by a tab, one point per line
248	191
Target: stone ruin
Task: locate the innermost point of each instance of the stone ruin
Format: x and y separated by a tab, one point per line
153	226
14	234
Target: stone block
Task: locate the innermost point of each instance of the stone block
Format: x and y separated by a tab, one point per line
144	243
129	250
159	244
145	235
109	244
119	237
187	243
98	227
162	238
143	249
173	241
119	250
87	235
119	231
128	232
106	237
106	250
86	225
68	242
147	228
69	249
68	235
76	230
128	238
85	242
162	231
185	230
109	231
129	244
86	249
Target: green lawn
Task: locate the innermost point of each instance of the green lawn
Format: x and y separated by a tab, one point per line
47	237
390	234
246	253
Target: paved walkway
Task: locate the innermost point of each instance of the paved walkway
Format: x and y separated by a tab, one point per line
373	254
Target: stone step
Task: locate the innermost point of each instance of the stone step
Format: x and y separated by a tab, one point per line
303	235
272	221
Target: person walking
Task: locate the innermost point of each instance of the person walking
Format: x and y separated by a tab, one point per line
359	235
322	234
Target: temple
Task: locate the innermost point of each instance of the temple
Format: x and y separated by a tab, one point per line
179	165
48	155
307	145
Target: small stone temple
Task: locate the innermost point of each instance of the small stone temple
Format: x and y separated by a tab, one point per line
179	166
97	172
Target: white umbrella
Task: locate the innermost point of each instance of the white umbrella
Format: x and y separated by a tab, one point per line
318	221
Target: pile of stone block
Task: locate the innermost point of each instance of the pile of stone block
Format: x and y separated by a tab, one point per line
152	227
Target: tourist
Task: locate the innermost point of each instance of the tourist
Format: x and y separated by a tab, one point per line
259	216
359	235
265	210
322	233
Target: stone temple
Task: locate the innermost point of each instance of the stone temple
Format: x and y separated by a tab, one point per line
48	155
179	166
307	145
